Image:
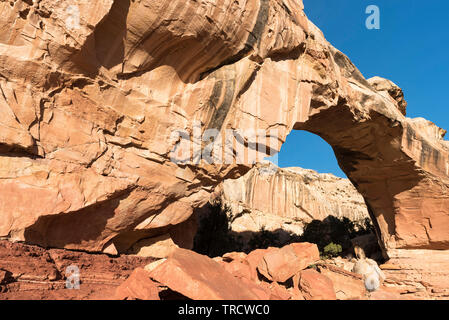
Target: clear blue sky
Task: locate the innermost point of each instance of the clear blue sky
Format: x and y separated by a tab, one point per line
411	48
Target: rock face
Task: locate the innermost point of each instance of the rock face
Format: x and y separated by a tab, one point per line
33	273
279	265
99	99
316	286
272	198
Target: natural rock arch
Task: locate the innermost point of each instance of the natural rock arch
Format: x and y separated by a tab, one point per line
85	139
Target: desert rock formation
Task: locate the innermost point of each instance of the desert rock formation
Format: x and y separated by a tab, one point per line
31	272
273	198
92	92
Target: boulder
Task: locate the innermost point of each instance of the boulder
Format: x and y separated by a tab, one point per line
278	292
254	258
347	285
239	269
307	253
200	278
157	247
282	264
316	286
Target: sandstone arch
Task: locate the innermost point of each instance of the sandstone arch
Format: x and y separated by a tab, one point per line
85	137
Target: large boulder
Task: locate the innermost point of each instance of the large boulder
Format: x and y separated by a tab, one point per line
138	286
200	278
316	286
347	285
282	264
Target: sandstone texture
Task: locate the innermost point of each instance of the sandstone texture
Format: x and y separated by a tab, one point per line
271	198
31	273
138	286
92	93
316	286
282	264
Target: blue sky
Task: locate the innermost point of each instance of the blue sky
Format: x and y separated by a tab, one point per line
411	48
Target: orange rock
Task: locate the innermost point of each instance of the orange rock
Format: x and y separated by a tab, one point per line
262	292
232	256
138	286
307	253
347	285
278	292
238	269
315	286
282	264
201	278
254	258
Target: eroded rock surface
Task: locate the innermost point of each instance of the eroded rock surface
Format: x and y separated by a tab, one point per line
271	198
91	96
33	273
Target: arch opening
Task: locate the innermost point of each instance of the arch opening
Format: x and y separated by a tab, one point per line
308	198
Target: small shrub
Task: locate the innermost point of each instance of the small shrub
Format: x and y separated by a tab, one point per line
335	231
332	250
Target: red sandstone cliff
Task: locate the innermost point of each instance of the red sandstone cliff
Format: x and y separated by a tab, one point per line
89	103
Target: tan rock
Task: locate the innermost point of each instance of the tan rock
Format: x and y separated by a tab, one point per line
307	253
347	285
389	266
158	247
151	266
282	264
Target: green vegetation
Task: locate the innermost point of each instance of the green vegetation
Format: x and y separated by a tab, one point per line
215	237
332	250
335	232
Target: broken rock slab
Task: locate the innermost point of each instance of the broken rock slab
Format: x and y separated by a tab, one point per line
282	264
138	286
199	277
316	286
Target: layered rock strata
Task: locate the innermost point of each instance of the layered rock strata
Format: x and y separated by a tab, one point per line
271	198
